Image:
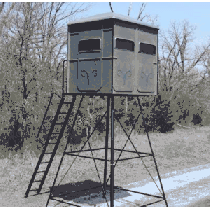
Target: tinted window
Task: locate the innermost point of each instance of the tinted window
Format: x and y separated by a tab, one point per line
89	45
147	48
124	44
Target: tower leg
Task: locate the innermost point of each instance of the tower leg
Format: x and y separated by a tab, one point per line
147	132
106	143
164	197
112	154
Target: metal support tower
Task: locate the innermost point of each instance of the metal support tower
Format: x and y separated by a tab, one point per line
110	98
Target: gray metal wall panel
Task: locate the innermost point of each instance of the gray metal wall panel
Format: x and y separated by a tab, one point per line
133	72
125	33
124	71
73	77
124	65
94	34
89	76
147	74
107	43
106	77
74	41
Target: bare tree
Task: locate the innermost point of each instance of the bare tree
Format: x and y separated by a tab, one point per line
33	45
130	8
146	17
181	81
179	62
1	6
141	16
110	5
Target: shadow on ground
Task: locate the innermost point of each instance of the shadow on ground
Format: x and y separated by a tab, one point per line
86	192
90	193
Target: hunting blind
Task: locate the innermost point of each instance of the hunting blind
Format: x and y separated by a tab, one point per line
112	54
109	56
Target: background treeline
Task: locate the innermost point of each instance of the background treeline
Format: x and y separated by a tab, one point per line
32	49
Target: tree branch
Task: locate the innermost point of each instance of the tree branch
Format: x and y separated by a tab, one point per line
110	5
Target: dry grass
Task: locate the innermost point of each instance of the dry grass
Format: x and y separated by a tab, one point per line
182	149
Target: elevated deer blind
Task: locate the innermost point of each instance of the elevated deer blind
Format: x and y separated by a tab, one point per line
112	54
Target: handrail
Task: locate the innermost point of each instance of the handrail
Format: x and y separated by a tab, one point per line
63	76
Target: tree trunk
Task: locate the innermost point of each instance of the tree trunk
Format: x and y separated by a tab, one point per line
15	135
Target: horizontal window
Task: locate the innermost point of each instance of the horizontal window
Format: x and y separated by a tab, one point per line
124	44
89	45
147	48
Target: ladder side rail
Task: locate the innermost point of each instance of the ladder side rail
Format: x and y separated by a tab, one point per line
44	116
61	161
44	149
54	122
57	143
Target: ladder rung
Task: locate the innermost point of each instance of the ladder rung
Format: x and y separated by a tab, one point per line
34	190
48	153
37	180
55	133
40	171
67	102
44	162
63	113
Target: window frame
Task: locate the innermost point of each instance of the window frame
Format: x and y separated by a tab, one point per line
147	44
90	51
115	43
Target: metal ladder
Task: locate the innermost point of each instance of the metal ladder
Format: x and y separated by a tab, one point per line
49	142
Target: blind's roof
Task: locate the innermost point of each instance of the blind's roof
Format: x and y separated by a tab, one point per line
110	15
